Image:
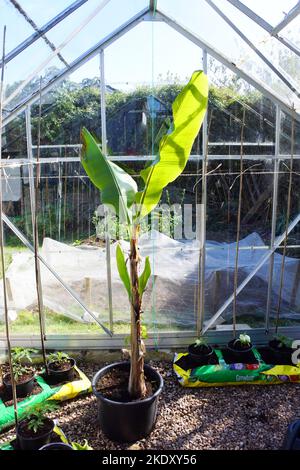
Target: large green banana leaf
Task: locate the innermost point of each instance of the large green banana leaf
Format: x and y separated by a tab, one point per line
118	188
189	110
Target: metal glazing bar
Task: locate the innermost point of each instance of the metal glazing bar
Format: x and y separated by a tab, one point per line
264	25
85	57
106	213
290	16
73	294
284	78
144	158
152	5
43	30
264	89
274	216
243	284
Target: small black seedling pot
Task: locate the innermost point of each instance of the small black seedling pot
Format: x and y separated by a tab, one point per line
22	389
282	353
200	354
57	446
34	442
127	421
58	376
238	352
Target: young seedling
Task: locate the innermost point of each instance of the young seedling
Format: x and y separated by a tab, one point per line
59	357
35	417
22	354
245	340
283	341
19	356
201	341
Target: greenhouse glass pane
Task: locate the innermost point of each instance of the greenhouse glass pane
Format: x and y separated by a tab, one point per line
272	11
67	202
16	202
23	75
209	26
288	269
111	17
291	31
286	147
40	15
230	98
17	29
14	143
146	83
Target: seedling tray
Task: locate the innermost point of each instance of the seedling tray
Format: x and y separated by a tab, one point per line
221	374
80	385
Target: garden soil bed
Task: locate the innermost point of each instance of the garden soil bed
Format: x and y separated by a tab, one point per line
244	417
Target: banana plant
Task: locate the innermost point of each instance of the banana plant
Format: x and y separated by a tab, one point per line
120	192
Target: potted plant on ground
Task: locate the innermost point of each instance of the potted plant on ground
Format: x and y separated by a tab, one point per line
240	348
128	392
281	347
200	352
60	367
35	428
23	374
67	446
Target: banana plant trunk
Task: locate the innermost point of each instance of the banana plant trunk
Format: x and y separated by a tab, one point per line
137	386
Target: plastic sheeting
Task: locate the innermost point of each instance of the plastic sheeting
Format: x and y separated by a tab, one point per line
174	273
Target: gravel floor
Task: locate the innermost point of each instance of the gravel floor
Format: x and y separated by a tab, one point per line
244	417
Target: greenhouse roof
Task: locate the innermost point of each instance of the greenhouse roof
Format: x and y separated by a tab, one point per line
258	41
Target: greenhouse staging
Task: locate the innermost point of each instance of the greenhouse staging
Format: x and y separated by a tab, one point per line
149	229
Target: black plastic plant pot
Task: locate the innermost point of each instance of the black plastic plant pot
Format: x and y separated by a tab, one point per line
57	376
22	389
34	442
127	421
200	354
233	347
282	353
57	446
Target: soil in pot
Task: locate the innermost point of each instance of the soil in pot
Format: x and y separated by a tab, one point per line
24	384
60	372
30	440
201	355
114	386
282	353
236	352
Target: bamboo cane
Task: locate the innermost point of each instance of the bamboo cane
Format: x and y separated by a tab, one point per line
36	240
288	211
238	230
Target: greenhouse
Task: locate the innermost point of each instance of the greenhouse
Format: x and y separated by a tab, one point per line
149	227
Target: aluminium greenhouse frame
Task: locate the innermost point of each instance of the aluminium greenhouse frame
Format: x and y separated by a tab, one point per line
170	339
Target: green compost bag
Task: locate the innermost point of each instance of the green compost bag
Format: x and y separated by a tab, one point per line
222	373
